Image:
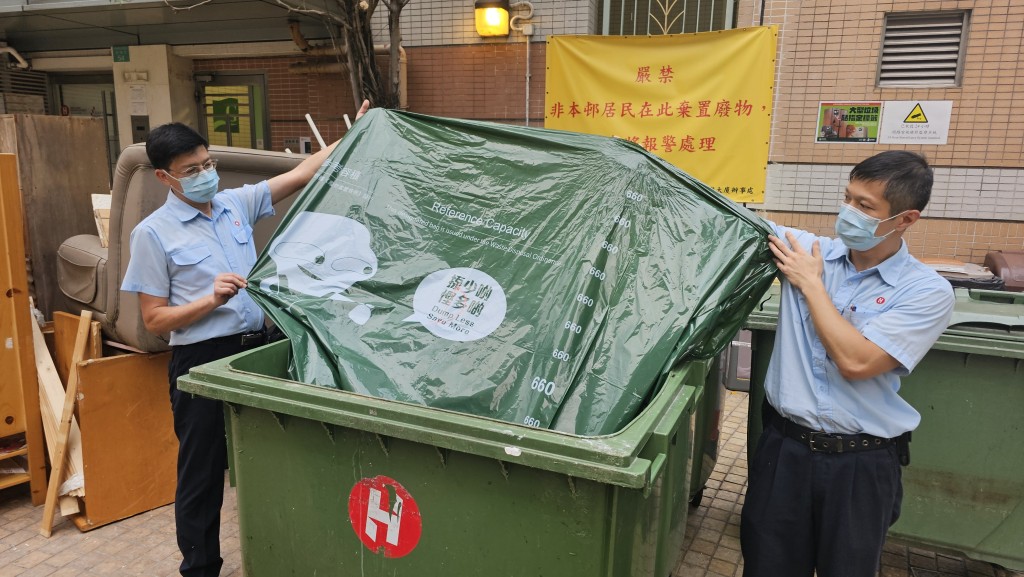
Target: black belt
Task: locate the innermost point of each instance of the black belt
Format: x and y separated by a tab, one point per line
822	442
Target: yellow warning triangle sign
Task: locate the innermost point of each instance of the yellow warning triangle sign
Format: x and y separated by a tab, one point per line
916	115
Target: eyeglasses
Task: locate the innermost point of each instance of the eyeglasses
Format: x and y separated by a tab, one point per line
196	169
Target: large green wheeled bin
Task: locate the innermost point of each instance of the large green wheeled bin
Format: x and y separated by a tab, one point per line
707	430
333	483
964	487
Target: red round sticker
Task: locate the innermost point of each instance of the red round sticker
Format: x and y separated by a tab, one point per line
880	300
385	516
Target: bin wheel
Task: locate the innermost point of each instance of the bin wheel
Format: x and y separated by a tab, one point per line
697	498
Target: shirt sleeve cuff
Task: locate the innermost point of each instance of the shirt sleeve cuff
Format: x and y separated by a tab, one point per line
141	288
903	357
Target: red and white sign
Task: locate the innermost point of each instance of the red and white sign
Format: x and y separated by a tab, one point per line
385	516
880	300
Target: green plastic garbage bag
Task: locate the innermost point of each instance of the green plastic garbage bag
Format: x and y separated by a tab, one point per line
540	277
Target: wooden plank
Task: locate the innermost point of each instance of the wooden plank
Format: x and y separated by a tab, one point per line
65	327
12	412
128	443
57	202
19	409
67	414
101	212
12	479
51	397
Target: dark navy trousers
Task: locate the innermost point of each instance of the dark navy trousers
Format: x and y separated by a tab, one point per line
202	458
807	511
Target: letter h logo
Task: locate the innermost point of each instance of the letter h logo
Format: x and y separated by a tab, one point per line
377	514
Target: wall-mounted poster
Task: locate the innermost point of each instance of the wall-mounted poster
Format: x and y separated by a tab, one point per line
855	122
700	101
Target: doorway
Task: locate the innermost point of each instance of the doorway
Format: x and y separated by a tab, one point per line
233	109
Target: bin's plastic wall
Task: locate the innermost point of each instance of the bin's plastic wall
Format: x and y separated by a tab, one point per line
539	277
332	483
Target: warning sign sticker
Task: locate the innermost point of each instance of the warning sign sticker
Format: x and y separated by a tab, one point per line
384	516
915	122
916	116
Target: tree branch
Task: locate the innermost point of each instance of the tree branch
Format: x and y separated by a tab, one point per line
177	9
310	11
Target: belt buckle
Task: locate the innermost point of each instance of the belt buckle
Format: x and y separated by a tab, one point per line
250	338
826	444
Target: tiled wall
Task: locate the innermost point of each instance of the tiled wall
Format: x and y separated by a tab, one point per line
963	240
828	50
975	193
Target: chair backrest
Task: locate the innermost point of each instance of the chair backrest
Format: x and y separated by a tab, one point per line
137	193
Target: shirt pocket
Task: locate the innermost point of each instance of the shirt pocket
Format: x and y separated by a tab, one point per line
190	255
862	318
242	234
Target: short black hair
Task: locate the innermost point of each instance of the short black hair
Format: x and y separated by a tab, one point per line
168	141
908	178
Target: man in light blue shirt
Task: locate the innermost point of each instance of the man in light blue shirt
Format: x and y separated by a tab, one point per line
857	313
188	264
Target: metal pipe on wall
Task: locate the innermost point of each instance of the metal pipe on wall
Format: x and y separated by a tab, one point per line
5	49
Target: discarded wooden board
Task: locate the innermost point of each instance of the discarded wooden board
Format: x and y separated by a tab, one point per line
129	448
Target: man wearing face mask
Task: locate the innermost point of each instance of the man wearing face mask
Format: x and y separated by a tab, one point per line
188	265
856	314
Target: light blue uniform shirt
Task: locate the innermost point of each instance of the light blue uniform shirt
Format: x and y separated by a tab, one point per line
177	251
900	305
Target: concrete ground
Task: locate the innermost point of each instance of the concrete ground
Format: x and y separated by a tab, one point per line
144	545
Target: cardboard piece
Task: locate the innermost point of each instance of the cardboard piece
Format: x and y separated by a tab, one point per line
129	448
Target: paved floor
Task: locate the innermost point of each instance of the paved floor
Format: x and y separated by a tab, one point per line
144	545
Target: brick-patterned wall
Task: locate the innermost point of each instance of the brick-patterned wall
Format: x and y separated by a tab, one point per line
828	50
290	96
483	82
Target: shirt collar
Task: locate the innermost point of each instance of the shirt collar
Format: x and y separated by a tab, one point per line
889	269
186	212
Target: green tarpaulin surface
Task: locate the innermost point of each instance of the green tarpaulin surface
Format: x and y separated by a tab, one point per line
540	277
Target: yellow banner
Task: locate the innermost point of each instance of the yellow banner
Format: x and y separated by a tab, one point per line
701	101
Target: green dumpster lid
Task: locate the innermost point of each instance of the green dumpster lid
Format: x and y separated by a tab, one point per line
983	321
988	312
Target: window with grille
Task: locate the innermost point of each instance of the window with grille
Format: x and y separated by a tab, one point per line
643	17
923	49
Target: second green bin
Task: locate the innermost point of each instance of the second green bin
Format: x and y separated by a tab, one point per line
964	487
332	483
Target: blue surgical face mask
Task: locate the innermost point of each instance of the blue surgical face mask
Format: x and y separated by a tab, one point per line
857	230
201	187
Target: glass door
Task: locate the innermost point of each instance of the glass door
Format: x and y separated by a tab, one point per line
233	109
